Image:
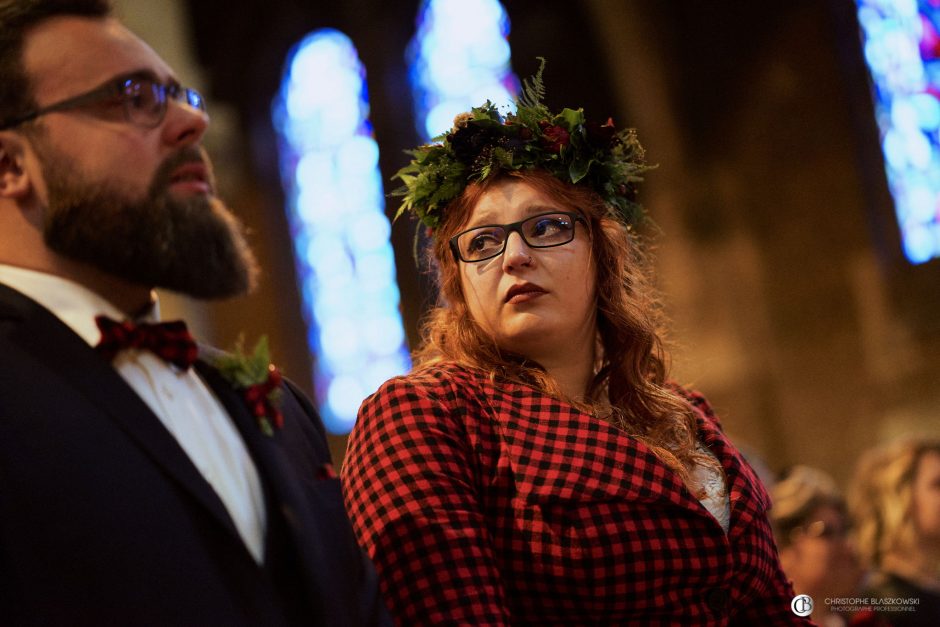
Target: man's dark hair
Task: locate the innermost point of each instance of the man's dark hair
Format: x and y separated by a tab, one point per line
17	17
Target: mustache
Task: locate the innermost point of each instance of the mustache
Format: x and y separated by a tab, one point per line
188	154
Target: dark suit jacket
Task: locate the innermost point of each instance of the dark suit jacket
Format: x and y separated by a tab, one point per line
104	520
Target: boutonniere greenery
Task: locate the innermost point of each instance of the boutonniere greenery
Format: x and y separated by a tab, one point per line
257	380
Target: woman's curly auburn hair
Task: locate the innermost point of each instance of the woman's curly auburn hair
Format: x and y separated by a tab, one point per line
632	367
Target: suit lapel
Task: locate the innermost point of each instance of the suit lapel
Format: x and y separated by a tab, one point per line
262	448
302	511
56	347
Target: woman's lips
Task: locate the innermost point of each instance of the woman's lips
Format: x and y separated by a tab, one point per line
523	293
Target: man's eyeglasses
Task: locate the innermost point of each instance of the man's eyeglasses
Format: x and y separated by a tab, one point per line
540	231
137	98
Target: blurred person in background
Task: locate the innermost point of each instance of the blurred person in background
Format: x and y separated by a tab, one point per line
894	502
811	524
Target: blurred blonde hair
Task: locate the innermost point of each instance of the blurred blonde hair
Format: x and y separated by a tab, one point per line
881	499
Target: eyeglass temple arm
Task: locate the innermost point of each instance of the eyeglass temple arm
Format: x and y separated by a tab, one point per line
69	103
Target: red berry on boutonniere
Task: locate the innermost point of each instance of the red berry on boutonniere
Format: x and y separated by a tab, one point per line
257	380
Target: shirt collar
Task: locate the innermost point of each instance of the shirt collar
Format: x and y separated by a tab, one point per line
72	303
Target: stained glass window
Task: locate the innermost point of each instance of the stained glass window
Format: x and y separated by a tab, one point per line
902	51
336	210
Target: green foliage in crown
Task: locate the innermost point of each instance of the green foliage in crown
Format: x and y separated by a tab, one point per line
483	142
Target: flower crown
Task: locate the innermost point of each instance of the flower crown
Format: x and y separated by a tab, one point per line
483	143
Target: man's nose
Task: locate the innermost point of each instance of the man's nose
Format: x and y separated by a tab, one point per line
184	124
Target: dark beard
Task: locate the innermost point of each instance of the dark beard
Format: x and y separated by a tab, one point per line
192	245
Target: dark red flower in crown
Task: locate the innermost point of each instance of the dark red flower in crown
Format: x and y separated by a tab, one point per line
257	380
600	135
554	136
469	141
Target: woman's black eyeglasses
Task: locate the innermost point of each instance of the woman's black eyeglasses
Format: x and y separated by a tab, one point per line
544	230
140	98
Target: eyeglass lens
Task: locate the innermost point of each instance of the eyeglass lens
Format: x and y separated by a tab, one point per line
145	100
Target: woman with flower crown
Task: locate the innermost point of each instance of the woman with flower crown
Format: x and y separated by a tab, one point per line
538	467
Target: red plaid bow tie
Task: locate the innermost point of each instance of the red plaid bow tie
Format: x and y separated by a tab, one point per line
170	341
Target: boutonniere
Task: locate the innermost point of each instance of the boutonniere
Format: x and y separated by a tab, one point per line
257	380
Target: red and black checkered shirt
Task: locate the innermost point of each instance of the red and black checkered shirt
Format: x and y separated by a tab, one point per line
493	504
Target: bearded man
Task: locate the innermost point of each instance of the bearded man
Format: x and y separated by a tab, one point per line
138	486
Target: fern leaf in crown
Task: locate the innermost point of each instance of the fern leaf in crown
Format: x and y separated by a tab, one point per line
483	143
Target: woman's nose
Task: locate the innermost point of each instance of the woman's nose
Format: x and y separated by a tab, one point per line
517	253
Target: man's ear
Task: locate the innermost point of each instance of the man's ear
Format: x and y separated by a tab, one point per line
14	176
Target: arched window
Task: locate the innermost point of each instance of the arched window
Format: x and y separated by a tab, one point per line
336	210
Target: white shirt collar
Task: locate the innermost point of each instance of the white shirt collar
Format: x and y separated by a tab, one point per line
72	303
